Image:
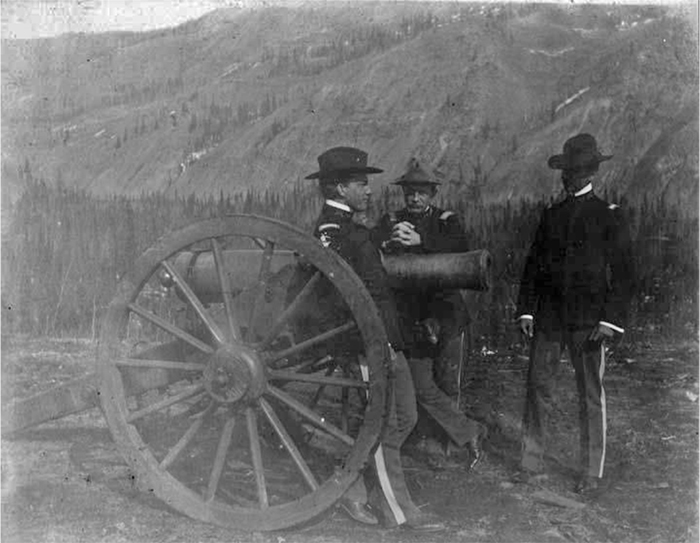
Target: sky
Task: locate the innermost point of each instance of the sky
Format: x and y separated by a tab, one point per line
41	18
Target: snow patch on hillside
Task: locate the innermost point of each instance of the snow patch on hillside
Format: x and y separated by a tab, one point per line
551	53
570	99
191	159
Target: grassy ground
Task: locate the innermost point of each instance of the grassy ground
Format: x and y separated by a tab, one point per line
65	482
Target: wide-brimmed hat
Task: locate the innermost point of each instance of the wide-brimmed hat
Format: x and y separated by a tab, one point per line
416	175
580	153
342	161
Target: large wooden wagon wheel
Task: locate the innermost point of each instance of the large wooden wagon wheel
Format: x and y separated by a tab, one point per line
258	429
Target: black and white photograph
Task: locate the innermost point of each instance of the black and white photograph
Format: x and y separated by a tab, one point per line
342	271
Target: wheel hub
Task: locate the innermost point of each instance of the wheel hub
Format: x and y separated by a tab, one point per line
233	374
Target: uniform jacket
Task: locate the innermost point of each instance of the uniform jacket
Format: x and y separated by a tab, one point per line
579	271
336	230
440	232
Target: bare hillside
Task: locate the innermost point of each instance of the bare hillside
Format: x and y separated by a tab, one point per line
249	97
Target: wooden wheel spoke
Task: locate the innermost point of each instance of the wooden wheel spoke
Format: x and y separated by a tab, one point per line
161	323
166	402
317	396
313	341
260	287
345	410
160	364
318	379
194	302
289	311
186	438
220	459
307	366
288	443
256	455
225	286
310	415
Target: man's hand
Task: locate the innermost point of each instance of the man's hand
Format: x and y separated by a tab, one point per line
527	326
600	332
405	234
429	330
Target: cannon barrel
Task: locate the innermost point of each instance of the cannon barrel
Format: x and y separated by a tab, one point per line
199	270
471	270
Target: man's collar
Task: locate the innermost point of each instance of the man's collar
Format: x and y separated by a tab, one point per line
339	205
585	190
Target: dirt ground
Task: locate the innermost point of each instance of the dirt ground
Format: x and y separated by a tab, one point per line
64	481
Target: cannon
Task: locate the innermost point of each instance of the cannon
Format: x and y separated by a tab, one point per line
216	401
441	271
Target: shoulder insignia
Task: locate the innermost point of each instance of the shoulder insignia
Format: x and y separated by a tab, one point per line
613	206
325	233
446	215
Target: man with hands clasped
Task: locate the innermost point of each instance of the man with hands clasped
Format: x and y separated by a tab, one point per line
420	227
433	319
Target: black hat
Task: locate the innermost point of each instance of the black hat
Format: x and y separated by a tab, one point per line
416	175
340	161
580	154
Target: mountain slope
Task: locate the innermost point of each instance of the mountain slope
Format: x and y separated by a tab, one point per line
248	98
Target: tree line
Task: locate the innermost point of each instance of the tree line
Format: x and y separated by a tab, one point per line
65	250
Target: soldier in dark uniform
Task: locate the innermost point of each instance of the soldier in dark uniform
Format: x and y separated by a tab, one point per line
435	317
574	293
344	184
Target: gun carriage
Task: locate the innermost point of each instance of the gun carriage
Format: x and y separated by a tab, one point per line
220	395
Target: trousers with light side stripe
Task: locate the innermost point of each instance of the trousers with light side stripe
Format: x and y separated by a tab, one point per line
390	493
588	360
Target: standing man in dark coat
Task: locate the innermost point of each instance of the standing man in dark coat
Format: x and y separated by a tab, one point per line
435	318
344	184
574	293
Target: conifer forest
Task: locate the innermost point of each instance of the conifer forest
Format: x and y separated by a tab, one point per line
66	250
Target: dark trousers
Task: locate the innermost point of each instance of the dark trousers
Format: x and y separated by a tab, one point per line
439	405
390	492
588	360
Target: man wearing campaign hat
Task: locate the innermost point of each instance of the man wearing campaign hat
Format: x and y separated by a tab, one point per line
437	318
574	292
421	227
343	181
